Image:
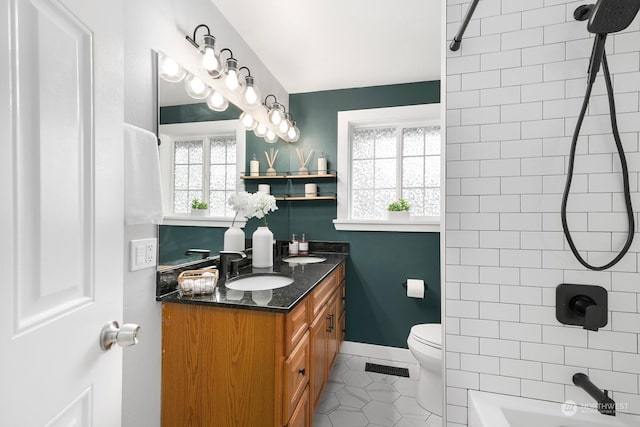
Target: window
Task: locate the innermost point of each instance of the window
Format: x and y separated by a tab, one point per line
385	154
199	160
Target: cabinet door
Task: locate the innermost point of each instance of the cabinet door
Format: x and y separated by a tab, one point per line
333	330
301	416
296	369
296	325
318	353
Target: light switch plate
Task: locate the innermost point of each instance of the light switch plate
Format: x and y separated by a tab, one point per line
143	254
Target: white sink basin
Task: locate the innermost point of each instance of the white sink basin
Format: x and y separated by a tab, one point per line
304	259
259	282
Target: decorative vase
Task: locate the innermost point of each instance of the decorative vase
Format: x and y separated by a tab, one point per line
200	212
234	239
398	215
262	297
303	170
271	172
262	247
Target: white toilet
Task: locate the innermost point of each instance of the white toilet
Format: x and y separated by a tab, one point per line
425	343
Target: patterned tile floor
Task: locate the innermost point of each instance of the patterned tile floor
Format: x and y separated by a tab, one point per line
355	398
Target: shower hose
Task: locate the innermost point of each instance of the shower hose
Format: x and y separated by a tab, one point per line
623	164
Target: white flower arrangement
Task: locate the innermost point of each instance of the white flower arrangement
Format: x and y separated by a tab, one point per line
251	205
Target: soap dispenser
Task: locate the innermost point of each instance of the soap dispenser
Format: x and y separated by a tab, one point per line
293	245
303	247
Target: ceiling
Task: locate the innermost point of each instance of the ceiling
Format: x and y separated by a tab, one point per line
316	45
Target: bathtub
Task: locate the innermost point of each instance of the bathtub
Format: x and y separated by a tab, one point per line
497	410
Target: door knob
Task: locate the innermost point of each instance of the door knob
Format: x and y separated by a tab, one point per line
124	336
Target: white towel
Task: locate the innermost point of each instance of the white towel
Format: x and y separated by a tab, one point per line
142	188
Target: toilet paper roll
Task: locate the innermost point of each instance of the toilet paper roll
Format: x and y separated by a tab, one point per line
415	288
264	188
310	190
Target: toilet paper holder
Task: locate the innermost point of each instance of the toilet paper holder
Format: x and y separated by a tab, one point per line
404	285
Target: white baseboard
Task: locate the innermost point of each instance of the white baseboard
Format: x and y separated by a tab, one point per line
377	351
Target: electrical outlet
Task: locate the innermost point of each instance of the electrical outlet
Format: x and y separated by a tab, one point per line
143	254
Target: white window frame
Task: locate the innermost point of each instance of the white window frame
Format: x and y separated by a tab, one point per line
426	115
198	130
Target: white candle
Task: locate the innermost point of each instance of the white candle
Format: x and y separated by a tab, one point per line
254	167
310	190
264	188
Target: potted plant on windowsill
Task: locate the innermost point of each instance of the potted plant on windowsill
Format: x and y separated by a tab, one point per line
199	208
399	210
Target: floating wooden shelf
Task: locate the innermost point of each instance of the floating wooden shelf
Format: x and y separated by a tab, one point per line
297	198
290	175
263	177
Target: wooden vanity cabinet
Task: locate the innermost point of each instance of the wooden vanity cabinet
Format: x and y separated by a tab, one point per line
231	367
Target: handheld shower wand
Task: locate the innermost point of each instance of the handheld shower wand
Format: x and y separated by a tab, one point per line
605	17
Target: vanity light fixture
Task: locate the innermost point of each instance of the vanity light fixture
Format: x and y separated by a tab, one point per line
249	92
170	70
210	59
230	74
230	85
196	88
217	102
248	121
260	130
276	110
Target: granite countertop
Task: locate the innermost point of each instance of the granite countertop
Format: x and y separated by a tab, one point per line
306	277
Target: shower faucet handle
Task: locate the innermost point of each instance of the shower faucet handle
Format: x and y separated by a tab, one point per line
592	316
583	305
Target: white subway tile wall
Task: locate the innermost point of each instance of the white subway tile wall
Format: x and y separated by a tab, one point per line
514	90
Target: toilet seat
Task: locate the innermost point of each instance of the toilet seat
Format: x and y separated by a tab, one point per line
428	334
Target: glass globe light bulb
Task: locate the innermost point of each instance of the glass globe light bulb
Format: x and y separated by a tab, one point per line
196	88
276	114
209	60
294	133
217	102
270	136
247	121
170	70
284	126
260	130
231	75
251	96
231	80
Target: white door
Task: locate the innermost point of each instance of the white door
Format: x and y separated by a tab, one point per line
61	113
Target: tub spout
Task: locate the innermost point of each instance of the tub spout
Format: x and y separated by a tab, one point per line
606	405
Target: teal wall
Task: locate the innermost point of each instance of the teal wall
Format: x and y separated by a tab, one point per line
378	310
196	113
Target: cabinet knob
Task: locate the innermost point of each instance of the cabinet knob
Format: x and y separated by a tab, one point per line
302	371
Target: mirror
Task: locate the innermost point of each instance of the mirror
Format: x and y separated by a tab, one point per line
199	152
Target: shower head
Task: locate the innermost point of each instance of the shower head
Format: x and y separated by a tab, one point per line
605	17
611	16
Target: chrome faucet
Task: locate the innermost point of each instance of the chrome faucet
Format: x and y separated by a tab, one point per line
203	252
229	261
606	405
